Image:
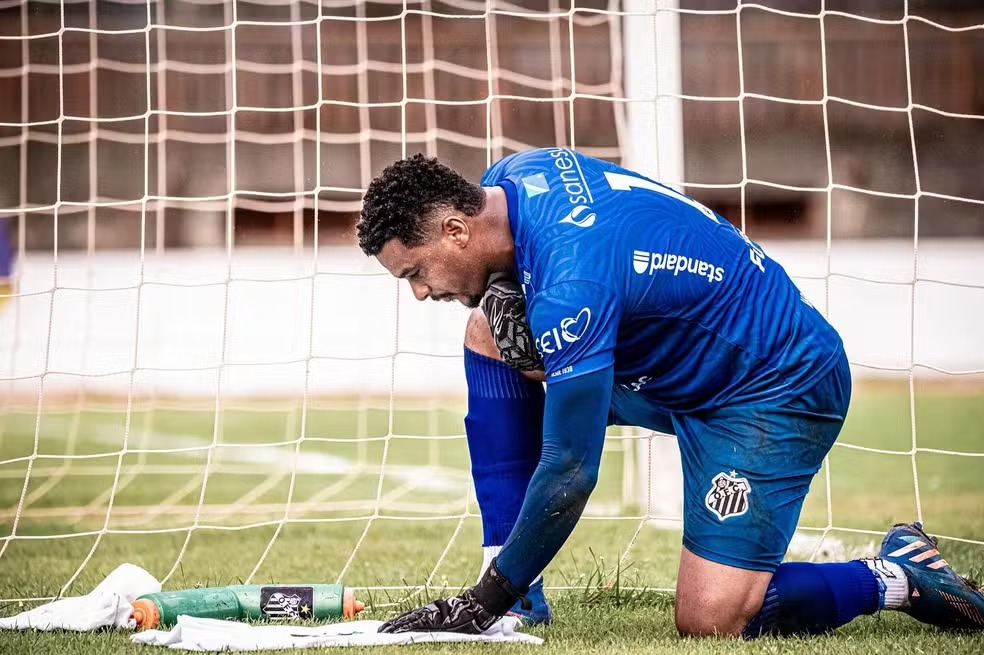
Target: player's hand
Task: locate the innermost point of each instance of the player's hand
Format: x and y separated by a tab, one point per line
505	308
462	614
472	612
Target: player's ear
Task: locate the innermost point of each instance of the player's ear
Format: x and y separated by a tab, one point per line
455	229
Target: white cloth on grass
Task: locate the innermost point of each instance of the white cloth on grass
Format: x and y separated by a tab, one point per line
108	605
216	635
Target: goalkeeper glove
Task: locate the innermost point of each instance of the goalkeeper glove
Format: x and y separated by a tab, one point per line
472	612
505	308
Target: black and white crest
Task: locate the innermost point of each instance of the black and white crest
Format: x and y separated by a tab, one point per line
728	495
287	602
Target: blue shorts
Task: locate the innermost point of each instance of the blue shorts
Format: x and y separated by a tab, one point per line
747	468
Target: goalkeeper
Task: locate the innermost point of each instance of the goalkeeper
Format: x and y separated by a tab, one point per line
645	308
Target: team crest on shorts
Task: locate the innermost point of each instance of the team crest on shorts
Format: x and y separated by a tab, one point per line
728	495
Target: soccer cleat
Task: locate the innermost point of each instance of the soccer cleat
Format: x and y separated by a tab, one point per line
937	595
539	612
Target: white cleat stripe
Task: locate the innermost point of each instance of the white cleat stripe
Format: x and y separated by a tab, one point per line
938	565
915	545
921	556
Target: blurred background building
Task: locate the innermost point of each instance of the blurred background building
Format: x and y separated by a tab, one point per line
166	121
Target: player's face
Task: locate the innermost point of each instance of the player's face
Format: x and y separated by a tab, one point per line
439	269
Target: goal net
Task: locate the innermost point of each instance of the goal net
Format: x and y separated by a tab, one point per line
201	374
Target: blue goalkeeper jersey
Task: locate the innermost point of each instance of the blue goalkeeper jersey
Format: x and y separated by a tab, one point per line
619	270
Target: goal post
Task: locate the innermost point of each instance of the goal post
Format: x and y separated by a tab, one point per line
654	147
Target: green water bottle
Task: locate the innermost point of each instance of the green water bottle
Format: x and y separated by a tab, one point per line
247	602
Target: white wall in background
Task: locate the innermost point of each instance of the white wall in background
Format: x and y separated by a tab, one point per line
286	323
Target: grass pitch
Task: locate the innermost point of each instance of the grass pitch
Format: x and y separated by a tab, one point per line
274	492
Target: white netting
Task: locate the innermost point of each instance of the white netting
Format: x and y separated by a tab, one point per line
193	354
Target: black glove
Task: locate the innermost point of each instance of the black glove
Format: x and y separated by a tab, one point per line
505	308
472	612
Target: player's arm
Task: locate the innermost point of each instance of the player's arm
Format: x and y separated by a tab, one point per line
576	325
574	422
574	432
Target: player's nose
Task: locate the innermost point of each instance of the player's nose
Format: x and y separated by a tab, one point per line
420	291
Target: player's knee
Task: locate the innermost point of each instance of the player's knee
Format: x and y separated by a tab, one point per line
719	612
478	335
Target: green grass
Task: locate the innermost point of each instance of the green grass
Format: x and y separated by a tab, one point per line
645	626
294	509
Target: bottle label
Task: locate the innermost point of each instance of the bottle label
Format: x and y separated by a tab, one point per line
287	602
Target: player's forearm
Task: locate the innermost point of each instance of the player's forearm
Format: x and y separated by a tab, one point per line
575	418
554	502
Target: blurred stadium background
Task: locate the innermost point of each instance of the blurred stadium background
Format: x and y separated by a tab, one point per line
199	372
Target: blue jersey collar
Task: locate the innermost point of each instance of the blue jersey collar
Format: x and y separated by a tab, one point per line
512	206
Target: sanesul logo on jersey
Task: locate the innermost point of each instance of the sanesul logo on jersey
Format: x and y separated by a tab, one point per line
568	331
575	186
582	216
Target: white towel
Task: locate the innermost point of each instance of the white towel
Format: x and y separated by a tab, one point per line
109	604
216	635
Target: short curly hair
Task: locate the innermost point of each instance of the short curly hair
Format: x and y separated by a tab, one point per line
399	201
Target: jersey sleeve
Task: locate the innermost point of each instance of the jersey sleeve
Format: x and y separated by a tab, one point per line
576	324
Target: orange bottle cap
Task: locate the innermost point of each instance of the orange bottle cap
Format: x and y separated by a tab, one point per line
351	606
146	614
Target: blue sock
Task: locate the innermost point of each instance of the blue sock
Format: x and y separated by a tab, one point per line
807	599
504	429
